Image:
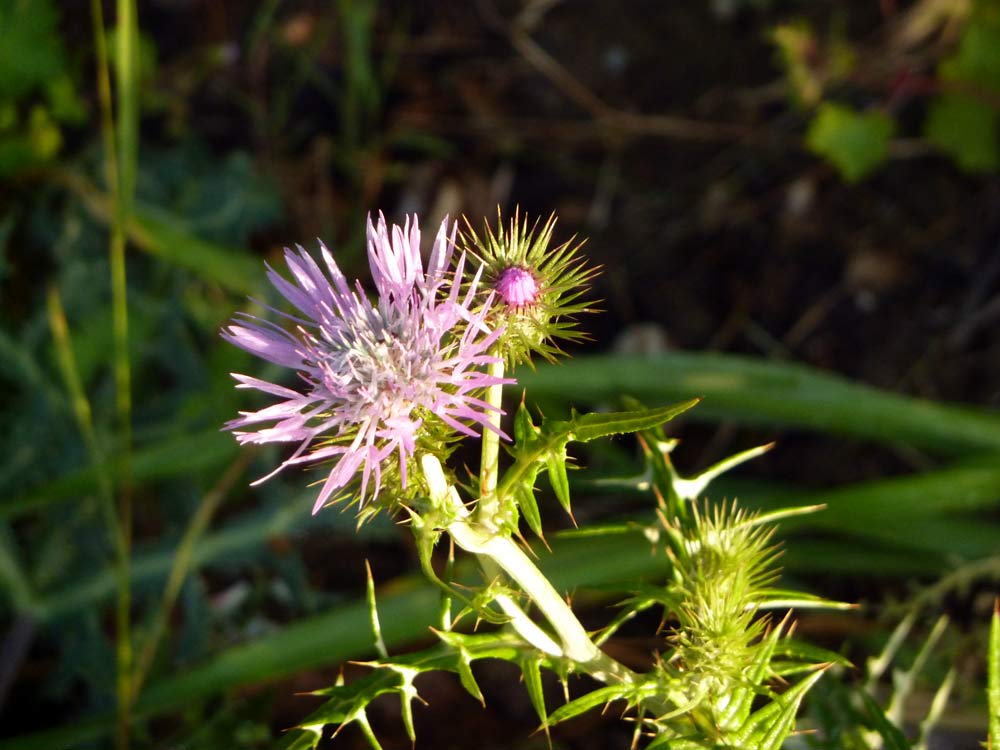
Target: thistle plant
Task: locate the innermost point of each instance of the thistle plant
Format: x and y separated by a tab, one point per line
386	388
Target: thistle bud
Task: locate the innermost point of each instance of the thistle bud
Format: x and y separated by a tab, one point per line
536	289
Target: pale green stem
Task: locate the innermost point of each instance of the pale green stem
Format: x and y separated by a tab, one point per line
489	468
121	190
501	551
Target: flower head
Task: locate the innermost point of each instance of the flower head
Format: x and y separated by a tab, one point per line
517	287
375	377
537	289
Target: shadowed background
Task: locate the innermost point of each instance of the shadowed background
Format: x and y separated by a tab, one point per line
766	185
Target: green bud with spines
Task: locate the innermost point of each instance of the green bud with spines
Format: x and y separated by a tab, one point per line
536	289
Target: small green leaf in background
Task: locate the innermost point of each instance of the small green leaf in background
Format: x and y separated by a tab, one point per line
856	143
965	129
977	59
31	51
962	122
811	64
796	44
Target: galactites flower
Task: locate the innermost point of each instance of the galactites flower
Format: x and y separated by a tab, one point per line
376	378
536	289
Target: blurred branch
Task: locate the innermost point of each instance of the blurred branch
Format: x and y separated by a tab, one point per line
610	120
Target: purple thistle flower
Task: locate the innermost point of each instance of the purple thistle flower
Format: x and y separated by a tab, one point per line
371	372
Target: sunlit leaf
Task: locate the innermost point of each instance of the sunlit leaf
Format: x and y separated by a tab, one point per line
856	143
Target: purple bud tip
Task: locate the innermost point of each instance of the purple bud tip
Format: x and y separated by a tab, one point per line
517	287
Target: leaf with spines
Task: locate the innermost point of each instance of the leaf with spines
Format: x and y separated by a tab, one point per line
794	651
631	694
587	427
544	446
531	670
347	704
526	436
892	737
373	613
769	726
463	664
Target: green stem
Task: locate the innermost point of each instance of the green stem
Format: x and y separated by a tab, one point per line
121	190
490	464
502	552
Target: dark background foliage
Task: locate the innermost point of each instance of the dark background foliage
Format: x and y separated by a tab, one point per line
809	182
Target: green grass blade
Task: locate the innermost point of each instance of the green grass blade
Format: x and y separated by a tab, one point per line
127	90
774	393
993	679
66	359
182	562
15	583
957	489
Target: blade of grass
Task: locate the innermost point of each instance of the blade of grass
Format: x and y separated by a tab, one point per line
955	489
770	393
127	79
82	411
182	561
993	679
121	161
66	360
15	582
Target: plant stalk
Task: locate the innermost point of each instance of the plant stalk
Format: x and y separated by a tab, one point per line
489	467
503	553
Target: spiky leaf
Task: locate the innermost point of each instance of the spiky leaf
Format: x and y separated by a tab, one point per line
593	699
544	446
891	735
769	726
587	427
532	673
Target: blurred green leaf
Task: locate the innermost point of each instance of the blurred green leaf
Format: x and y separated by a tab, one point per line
977	59
963	121
796	44
31	51
65	101
965	128
856	143
891	735
755	391
36	143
